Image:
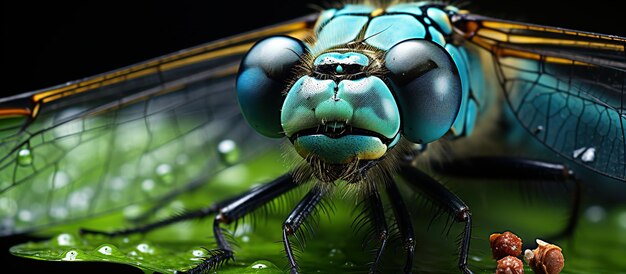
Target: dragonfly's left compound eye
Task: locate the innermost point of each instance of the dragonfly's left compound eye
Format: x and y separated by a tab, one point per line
263	77
427	86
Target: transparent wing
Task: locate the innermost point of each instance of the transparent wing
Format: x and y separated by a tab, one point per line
565	87
136	134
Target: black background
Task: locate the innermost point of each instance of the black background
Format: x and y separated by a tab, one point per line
49	43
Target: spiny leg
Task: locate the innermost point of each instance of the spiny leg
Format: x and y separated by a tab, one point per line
403	219
234	211
448	201
511	168
295	219
374	206
195	214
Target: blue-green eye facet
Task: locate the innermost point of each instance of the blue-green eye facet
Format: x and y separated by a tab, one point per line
263	78
427	86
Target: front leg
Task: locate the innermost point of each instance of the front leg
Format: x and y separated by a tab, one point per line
234	211
448	201
295	219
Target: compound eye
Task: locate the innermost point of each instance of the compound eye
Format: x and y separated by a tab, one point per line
427	86
263	76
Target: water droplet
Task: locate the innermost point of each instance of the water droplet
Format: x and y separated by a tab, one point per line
245	239
242	229
147	185
65	240
79	199
25	215
59	180
106	250
132	211
228	151
164	171
24	157
198	255
538	130
258	266
586	154
58	212
70	256
118	183
145	248
476	258
595	213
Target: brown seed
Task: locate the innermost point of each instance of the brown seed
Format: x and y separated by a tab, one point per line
505	244
545	259
510	265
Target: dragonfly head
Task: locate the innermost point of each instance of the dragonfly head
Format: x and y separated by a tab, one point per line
345	109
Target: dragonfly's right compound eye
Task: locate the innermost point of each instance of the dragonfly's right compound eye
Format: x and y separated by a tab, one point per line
263	77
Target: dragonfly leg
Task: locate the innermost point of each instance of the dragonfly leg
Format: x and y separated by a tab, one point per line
448	201
195	214
295	219
374	206
512	168
405	226
234	211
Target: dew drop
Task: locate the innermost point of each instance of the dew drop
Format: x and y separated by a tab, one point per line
242	229
132	211
106	250
476	258
147	185
198	253
58	212
595	213
65	240
538	130
245	239
145	248
25	215
118	183
258	266
79	199
228	151
164	171
24	157
70	256
59	180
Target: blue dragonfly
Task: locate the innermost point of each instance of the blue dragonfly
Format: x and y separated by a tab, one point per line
362	92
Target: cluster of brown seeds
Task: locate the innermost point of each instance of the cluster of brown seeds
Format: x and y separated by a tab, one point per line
506	247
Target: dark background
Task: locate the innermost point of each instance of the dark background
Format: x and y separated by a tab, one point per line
49	43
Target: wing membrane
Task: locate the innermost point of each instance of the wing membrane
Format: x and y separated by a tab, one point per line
132	135
566	87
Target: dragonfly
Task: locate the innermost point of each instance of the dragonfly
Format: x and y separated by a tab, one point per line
565	88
